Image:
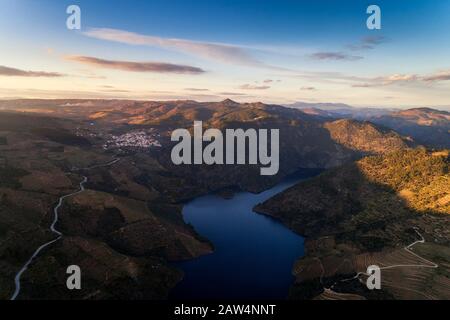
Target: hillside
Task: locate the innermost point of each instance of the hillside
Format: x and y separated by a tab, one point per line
427	126
365	136
367	211
110	229
424	116
129	217
306	141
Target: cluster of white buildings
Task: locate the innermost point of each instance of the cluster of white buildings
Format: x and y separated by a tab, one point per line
133	139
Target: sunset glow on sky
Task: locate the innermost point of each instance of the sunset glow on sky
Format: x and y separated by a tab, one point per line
269	51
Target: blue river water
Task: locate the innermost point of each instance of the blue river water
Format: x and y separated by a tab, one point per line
254	254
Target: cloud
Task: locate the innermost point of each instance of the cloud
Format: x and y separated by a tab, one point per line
232	94
403	79
308	88
334	56
212	51
13	72
268	81
253	87
368	43
387	80
363	85
196	89
439	76
136	66
400	78
114	90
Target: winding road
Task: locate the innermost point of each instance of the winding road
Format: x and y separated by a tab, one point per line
53	225
408	248
429	264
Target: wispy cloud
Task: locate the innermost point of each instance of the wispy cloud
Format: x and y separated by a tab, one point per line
308	88
387	80
400	77
113	89
231	94
136	66
13	72
364	85
403	79
438	76
367	43
196	89
223	53
253	87
334	56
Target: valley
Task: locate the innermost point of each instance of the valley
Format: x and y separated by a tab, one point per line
126	229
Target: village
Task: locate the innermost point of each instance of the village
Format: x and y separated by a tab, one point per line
141	139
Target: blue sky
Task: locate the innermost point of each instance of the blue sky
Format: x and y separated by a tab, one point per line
270	51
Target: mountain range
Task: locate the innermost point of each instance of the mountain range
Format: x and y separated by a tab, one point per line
128	227
427	126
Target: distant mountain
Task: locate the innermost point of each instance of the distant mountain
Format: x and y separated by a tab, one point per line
322	106
319	112
424	116
427	126
365	213
340	110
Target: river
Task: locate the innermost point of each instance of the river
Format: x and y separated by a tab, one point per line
254	254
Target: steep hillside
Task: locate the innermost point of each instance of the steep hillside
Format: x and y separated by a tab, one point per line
365	136
109	229
370	209
305	142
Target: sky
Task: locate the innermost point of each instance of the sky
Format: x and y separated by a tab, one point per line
271	51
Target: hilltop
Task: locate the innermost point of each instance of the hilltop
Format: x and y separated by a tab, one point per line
425	125
366	137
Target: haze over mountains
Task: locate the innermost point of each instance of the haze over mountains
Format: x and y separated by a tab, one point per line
426	125
338	110
128	223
